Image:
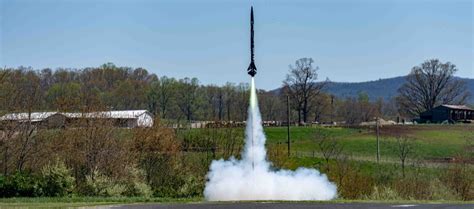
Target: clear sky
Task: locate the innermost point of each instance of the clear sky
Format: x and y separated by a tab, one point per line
351	40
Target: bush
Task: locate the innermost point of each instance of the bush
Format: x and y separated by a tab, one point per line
439	191
132	185
460	178
413	187
101	185
191	186
57	180
20	185
138	189
351	182
135	183
384	193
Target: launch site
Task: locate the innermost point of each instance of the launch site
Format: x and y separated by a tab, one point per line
346	104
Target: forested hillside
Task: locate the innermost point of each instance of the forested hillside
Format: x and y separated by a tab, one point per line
382	88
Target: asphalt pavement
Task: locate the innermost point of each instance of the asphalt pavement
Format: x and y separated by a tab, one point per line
291	205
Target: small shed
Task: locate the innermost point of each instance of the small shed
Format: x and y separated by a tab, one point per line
450	113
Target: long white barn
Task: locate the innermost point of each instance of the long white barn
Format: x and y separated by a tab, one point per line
120	118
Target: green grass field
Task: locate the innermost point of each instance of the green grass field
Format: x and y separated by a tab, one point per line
84	202
430	141
68	202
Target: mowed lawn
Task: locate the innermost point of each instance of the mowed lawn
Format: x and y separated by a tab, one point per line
429	141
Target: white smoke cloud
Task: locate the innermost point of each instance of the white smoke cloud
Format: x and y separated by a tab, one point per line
252	177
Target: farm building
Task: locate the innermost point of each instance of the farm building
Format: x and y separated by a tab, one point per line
122	119
449	113
39	119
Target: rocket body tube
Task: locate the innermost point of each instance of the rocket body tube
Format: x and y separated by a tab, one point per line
252	69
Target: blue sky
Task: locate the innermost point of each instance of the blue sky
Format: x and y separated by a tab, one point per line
351	40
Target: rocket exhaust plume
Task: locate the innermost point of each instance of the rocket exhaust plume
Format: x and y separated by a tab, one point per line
253	178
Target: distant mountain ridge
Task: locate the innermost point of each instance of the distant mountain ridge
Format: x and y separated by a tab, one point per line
383	88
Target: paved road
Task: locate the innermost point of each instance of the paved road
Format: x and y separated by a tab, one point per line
281	205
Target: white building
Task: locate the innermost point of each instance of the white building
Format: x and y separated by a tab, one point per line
121	118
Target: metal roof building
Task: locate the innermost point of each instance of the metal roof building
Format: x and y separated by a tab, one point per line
449	113
121	118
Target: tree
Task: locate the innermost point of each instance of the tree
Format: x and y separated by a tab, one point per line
188	97
328	146
242	100
152	97
429	85
270	105
213	97
301	85
322	107
229	95
405	149
166	92
64	97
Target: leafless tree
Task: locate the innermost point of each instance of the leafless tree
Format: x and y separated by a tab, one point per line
431	84
213	96
322	107
329	147
270	105
241	101
228	96
301	85
188	97
405	148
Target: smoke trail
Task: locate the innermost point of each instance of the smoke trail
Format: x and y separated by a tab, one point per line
252	177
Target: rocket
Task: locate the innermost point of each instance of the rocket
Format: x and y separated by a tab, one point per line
252	69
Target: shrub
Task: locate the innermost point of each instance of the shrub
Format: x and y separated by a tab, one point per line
351	182
20	185
413	188
135	183
439	191
191	186
97	184
384	193
139	189
132	185
460	178
57	180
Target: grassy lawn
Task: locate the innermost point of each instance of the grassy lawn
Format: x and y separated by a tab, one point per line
430	141
80	202
67	202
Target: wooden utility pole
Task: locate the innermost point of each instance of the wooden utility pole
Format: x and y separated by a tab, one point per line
288	123
378	141
332	109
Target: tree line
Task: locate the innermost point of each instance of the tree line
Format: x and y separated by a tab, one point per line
99	159
110	87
